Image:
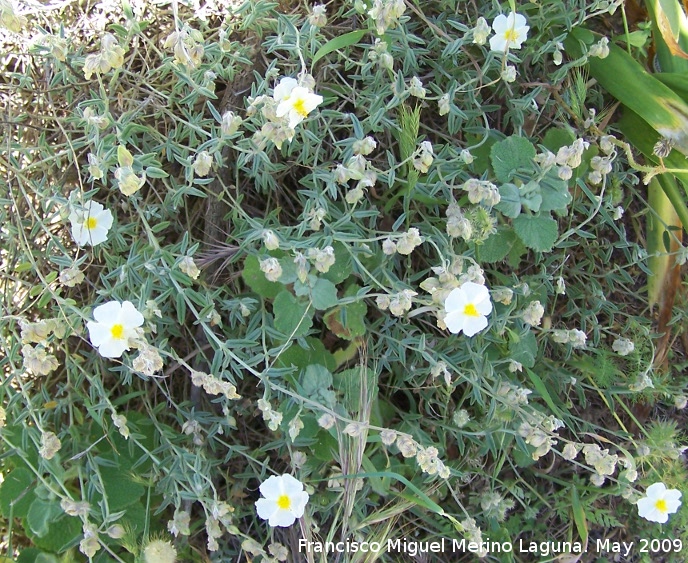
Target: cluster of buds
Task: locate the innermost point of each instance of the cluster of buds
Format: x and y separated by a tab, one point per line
576	338
398	304
111	55
358	168
187	45
458	225
567	158
424	157
482	191
405	243
214	385
323	259
540	434
386	13
427	458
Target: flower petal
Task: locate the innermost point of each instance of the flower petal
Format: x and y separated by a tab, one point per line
107	313
291	486
97	333
113	347
266	508
129	315
271	488
473	325
282	518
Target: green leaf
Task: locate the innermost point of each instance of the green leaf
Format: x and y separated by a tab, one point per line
531	196
60	536
579	515
324	295
555	193
541	388
348	321
523	349
41	514
255	279
301	357
509	200
120	489
17	493
510	155
316	382
291	316
554	139
339	42
538	232
496	246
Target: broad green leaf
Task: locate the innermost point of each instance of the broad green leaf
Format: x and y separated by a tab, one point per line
324	295
348	321
339	42
555	138
523	349
509	200
555	193
62	534
17	493
538	232
316	383
300	357
531	197
510	155
41	513
120	489
496	246
255	279
291	316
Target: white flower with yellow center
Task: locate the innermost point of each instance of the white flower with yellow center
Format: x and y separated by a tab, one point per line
284	502
293	101
467	308
510	32
115	323
90	223
658	503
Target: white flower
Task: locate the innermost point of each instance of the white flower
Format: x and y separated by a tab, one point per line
293	101
159	551
658	503
532	315
600	49
467	308
230	123
364	146
284	502
202	163
50	445
416	88
481	31
270	239
510	32
443	104
318	16
509	73
424	158
188	266
115	324
623	346
271	268
90	223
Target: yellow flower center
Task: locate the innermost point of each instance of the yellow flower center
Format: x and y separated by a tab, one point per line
470	310
300	107
511	35
117	331
661	505
90	223
284	502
